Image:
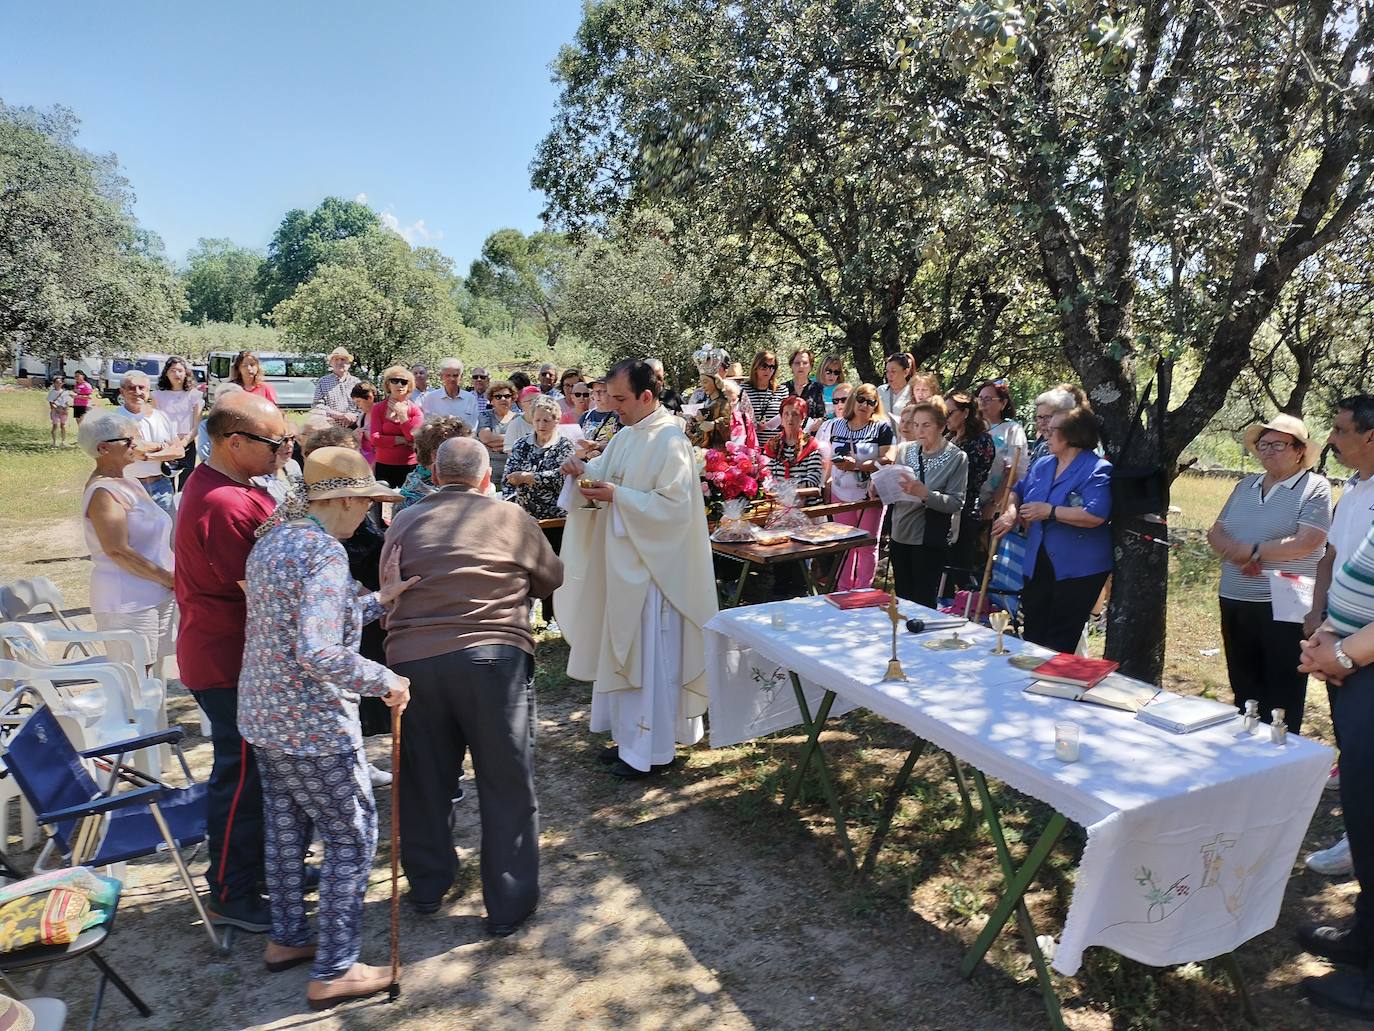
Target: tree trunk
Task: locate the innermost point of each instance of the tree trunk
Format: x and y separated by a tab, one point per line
858	337
1137	618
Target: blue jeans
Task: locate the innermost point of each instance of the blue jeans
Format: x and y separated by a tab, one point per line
163	493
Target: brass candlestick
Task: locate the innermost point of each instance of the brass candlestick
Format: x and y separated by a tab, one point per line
894	667
998	621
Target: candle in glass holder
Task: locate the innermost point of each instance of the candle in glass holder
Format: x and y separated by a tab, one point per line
779	620
1066	742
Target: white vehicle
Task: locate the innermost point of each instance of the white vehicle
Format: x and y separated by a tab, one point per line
112	370
41	369
291	376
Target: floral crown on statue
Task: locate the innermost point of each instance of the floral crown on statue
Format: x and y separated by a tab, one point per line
710	360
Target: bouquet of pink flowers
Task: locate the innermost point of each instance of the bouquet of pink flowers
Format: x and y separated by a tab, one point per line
729	473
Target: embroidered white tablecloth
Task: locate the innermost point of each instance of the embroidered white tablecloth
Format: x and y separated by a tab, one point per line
1191	837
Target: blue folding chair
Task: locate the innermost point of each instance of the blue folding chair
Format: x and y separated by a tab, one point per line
1008	577
148	818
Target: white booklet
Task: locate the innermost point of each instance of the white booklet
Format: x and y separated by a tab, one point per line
1290	595
1114	691
1183	715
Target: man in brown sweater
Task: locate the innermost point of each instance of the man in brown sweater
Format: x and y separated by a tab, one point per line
462	636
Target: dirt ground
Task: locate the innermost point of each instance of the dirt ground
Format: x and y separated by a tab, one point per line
690	900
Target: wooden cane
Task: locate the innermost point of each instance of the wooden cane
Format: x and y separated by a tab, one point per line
1004	493
394	989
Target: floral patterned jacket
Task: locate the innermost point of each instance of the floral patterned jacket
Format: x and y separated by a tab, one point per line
302	674
539	499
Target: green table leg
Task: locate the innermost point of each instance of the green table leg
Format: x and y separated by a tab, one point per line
894	796
1017	881
1247	1008
967	803
812	749
745	567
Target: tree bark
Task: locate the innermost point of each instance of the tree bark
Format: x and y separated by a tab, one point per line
858	337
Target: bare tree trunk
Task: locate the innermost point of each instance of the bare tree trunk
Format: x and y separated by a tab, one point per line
858	337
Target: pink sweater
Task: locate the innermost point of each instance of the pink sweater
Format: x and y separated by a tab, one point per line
384	433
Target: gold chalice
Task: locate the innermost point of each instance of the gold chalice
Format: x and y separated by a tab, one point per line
586	484
999	621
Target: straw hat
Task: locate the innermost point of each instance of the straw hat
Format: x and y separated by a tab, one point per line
1283	424
340	352
341	472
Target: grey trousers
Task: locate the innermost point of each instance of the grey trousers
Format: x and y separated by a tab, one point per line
480	699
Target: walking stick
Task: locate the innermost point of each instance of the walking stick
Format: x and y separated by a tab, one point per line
394	989
1004	493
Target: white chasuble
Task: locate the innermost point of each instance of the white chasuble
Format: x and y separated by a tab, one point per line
655	537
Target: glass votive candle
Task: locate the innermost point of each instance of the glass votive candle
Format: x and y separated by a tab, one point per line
1066	742
778	619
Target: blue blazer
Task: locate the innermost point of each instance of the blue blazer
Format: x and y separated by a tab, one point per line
1074	550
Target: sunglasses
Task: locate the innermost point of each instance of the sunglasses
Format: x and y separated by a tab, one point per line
582	393
871	402
769	367
830	372
119	440
397	381
502	397
841	400
477	375
273	445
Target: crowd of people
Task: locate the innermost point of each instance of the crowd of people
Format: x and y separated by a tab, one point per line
212	529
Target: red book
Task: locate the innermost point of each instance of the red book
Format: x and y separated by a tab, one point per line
859	599
1078	670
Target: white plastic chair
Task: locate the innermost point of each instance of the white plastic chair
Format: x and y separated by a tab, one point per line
96	716
144	697
21	597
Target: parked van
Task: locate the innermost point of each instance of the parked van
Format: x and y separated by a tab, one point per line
292	376
113	370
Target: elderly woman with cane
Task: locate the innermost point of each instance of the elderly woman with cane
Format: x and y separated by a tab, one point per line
298	707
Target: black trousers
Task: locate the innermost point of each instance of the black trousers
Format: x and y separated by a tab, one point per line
1352	712
184	467
963	553
916	570
554	535
392	475
480	699
1262	656
1056	609
234	832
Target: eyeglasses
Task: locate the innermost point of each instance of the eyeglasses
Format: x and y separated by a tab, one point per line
119	440
765	365
841	400
398	381
871	402
582	393
830	372
478	375
502	397
991	400
273	445
1272	446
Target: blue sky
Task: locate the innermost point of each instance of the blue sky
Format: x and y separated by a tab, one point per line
225	116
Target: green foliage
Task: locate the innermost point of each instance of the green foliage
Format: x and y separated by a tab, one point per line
221	283
303	240
375	295
77	274
195	342
524	275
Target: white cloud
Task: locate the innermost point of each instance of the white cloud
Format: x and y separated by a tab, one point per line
415	234
361	198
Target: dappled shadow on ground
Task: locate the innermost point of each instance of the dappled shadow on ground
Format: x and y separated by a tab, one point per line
694	900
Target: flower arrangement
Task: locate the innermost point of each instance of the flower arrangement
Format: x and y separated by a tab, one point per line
730	473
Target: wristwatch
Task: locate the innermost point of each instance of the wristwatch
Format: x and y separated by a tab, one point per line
1347	663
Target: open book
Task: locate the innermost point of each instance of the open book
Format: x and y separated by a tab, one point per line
1114	691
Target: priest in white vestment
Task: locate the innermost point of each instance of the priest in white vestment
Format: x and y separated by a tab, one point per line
638	582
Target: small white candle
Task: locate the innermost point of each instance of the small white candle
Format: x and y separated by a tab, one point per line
1066	742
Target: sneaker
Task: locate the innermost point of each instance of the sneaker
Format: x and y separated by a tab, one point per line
1334	861
1333	782
1338	944
379	778
251	914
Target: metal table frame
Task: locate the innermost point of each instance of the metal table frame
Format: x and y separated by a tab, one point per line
1016	880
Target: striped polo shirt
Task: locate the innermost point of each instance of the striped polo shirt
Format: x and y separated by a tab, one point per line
1350	601
1304	499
